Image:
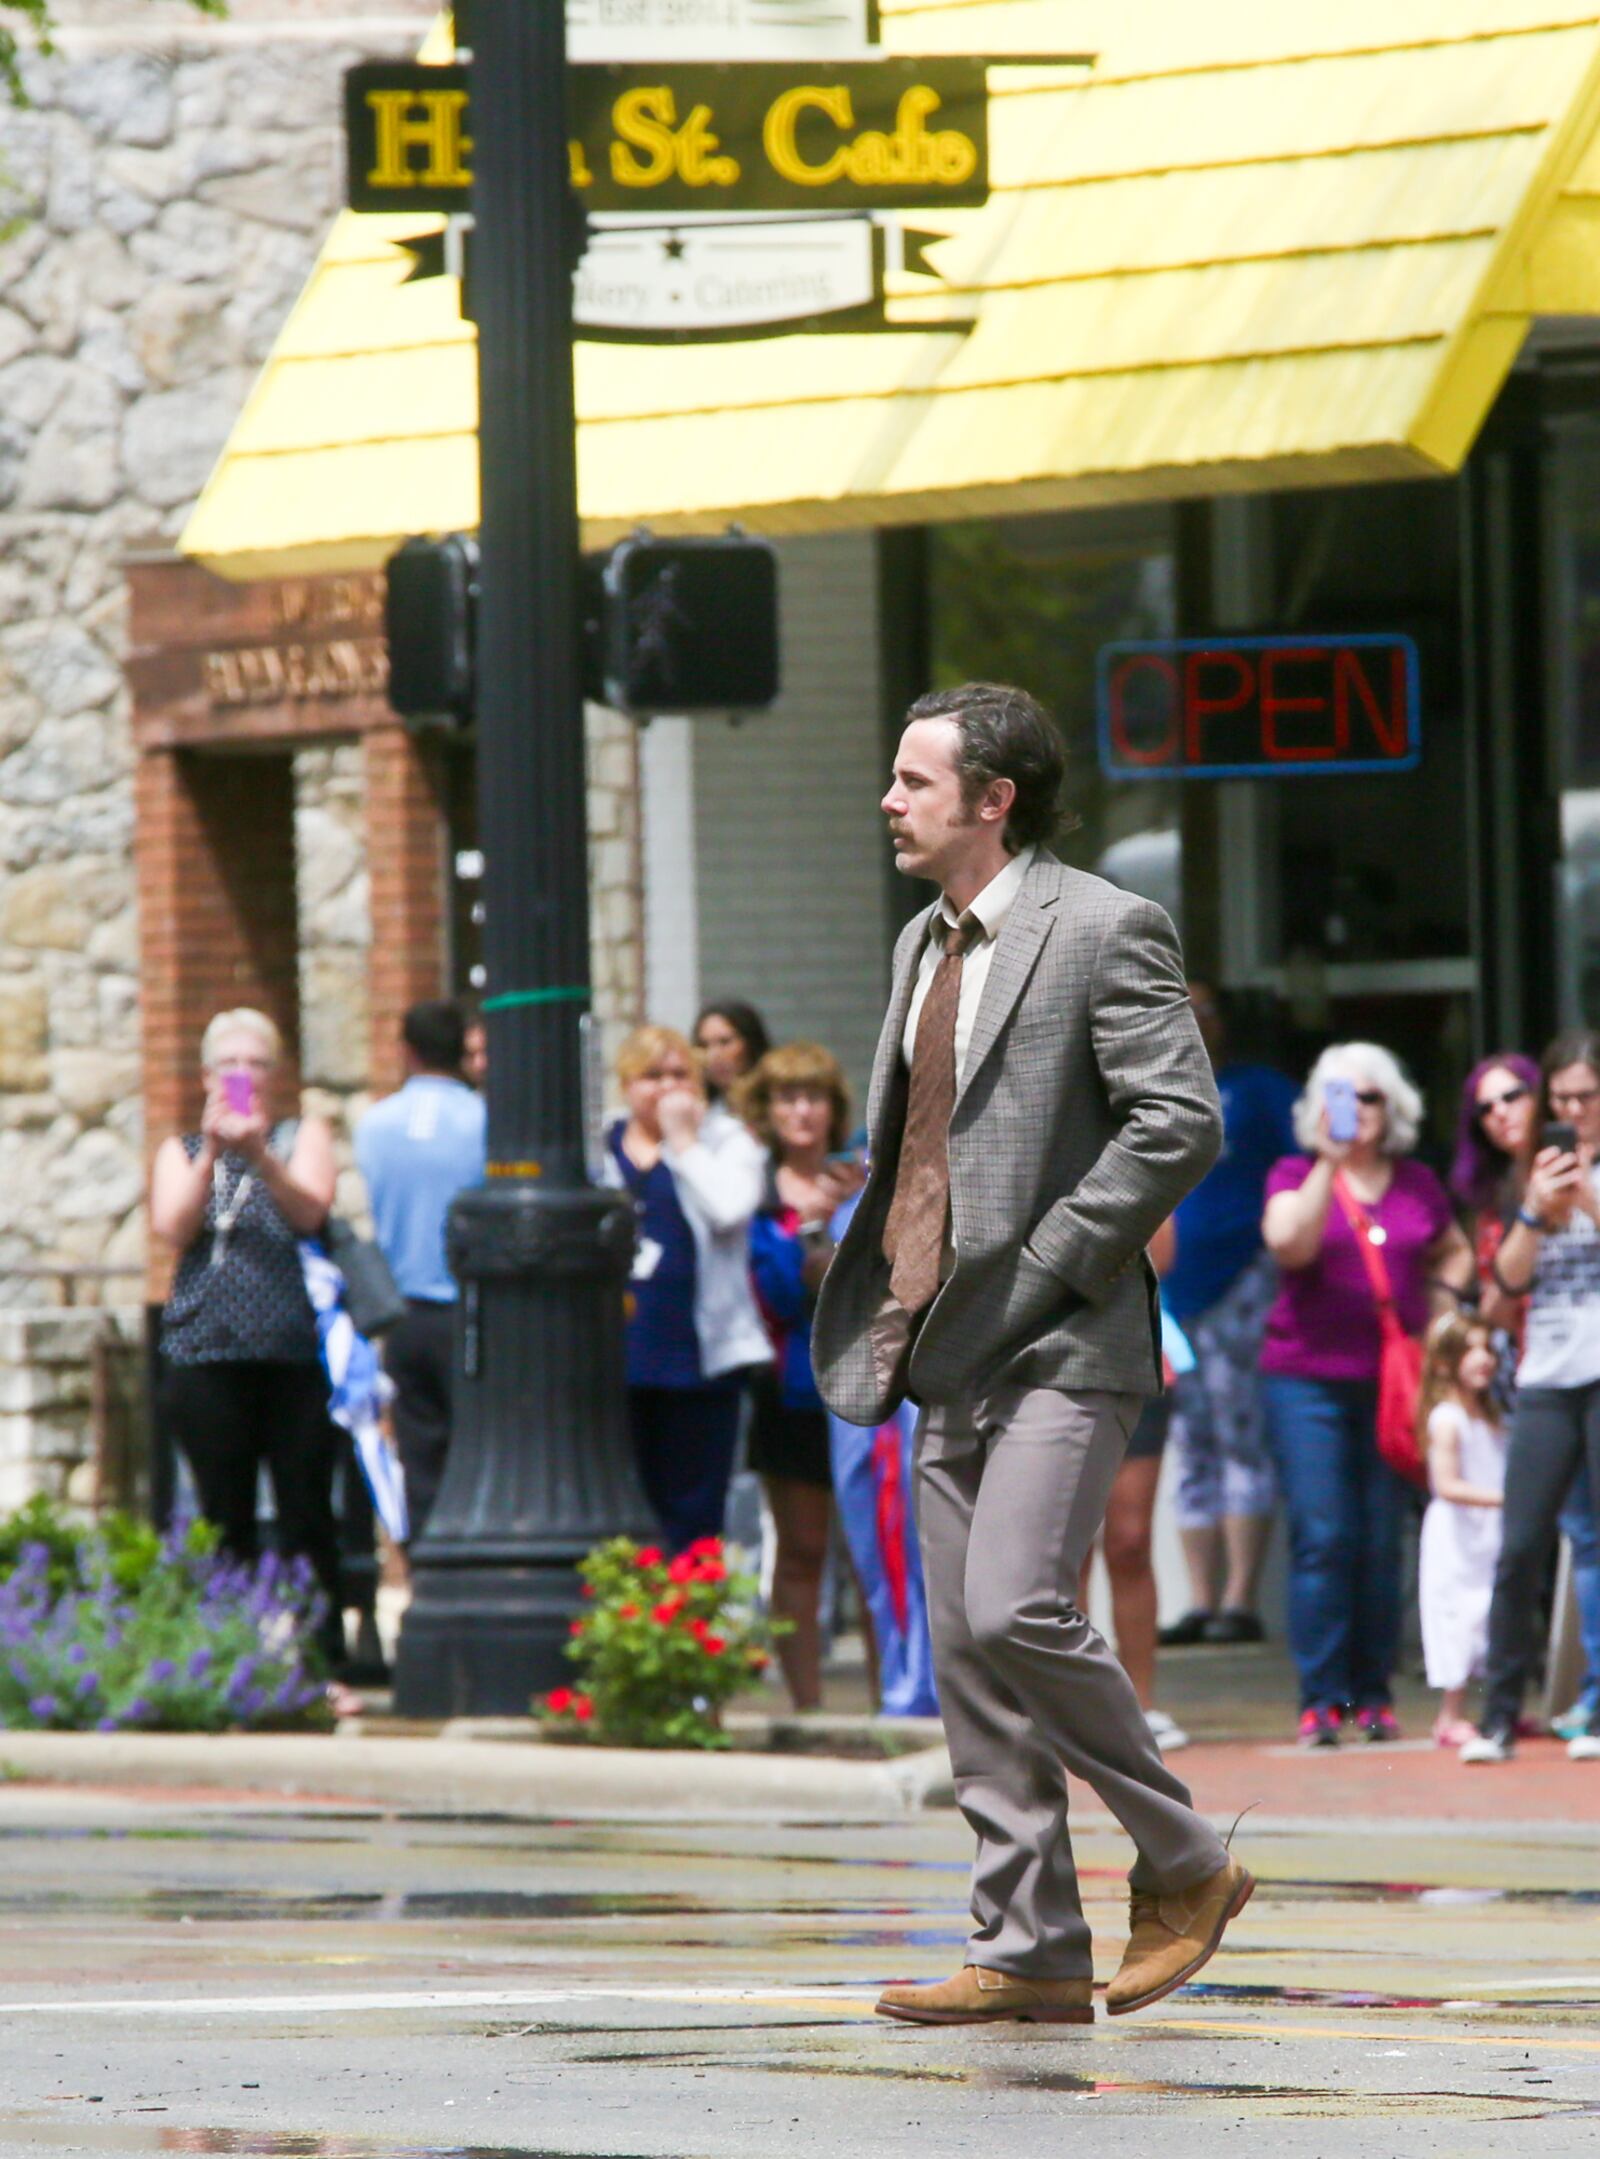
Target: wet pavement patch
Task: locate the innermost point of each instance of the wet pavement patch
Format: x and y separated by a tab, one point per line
115	2136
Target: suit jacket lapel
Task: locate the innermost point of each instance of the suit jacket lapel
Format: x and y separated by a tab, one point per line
1023	931
894	1027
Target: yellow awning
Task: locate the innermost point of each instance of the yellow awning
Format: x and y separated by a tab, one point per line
1260	245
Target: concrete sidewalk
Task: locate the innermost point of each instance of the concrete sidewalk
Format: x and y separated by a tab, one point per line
481	1775
478	1770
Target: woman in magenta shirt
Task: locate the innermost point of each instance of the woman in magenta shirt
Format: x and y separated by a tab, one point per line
1319	1366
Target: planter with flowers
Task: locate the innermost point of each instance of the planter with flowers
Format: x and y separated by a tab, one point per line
116	1629
663	1645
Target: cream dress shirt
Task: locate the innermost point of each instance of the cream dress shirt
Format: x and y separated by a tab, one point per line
987	912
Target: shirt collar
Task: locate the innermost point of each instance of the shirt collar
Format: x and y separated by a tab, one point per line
989	910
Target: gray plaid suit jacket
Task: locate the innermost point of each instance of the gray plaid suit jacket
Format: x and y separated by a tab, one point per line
1086	1110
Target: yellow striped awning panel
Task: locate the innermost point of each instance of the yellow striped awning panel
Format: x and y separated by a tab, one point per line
1257	245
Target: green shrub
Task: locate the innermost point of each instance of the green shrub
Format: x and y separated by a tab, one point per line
116	1628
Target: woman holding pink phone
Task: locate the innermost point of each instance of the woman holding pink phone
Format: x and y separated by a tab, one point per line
1357	1121
242	1378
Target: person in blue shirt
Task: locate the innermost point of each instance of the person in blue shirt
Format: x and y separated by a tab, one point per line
417	1149
1219	1289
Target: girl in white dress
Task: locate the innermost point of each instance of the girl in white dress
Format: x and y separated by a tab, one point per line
1464	1442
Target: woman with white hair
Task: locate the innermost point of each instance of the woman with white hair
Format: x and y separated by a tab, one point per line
1357	1122
242	1376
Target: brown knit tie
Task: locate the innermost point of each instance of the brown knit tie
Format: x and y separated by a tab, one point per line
913	1236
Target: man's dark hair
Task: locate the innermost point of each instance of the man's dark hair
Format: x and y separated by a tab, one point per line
436	1034
1004	734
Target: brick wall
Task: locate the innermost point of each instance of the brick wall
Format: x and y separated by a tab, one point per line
406	868
215	868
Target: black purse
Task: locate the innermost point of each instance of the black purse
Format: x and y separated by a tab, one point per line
371	1296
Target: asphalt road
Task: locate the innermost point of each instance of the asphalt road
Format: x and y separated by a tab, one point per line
241	1976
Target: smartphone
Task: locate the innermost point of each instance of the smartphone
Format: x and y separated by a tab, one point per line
1563	1137
239	1092
1344	1111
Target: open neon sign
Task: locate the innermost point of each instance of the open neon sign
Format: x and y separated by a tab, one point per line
1219	708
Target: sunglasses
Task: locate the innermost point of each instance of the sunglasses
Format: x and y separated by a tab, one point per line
1493	1102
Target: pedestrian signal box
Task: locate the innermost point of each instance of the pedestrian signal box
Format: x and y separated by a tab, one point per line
690	625
430	619
669	626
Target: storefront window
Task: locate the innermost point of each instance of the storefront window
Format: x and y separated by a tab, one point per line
1031	600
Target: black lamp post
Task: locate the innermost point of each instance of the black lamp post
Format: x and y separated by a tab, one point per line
540	1466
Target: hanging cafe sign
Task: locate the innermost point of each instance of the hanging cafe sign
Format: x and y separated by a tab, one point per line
757	136
693	282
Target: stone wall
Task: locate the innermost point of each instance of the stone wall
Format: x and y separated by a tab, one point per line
170	186
71	1407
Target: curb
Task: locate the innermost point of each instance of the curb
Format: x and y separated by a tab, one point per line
466	1776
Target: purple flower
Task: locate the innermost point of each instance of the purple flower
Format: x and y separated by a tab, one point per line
20	1672
250	1703
109	1724
136	1711
77	1654
243	1672
161	1670
200	1662
43	1707
86	1686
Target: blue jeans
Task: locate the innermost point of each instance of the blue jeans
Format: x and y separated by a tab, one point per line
1345	1506
1582	1531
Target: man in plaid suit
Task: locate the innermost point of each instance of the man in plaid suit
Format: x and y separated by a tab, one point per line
1040	1102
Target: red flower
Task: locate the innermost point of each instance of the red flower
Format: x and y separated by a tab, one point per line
667	1611
582	1708
576	1626
648	1555
697	1627
682	1569
711	1570
587	1590
627	1611
706	1548
712	1644
558	1701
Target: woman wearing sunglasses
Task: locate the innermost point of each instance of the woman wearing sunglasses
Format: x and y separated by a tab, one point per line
1551	1257
1357	1122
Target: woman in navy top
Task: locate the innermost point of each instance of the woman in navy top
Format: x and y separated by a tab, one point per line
693	1326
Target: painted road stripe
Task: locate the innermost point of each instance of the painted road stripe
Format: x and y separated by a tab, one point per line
843	1998
244	2005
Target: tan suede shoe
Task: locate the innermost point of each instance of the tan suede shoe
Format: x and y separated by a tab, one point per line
1173	1936
976	1996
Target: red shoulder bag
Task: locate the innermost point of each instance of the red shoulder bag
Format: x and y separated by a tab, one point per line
1399	1354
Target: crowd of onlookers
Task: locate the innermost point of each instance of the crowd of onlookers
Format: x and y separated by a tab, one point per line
1291	1280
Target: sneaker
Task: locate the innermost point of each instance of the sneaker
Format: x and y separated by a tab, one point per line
1185	1632
1168	1736
1378	1724
1585	1748
1576	1722
1489	1747
1319	1727
1234	1625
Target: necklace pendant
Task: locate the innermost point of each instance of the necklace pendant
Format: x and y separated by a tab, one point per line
1377	1234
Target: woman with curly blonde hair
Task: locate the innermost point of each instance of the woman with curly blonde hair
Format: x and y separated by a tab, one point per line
798	1105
